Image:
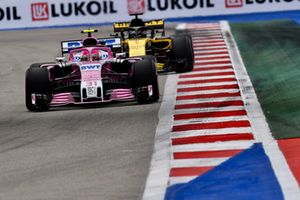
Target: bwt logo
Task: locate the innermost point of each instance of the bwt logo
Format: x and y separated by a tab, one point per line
89	67
39	11
233	3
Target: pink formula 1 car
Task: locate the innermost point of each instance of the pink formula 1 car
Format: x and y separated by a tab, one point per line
92	74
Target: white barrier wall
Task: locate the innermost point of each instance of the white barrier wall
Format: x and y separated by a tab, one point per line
41	13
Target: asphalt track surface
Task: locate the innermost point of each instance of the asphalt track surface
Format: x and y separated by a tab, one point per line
73	153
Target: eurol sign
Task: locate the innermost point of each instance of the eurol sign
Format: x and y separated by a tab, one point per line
49	13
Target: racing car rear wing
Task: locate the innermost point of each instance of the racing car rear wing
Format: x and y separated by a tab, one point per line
156	24
67	46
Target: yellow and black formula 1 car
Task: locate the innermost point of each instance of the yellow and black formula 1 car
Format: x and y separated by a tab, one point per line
140	38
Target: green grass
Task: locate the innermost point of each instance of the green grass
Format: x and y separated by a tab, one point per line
271	53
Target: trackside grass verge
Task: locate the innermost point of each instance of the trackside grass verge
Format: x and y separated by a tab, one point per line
271	53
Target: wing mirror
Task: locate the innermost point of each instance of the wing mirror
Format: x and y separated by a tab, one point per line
60	59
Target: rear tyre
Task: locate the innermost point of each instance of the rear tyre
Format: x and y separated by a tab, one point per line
186	33
37	82
145	81
183	54
191	49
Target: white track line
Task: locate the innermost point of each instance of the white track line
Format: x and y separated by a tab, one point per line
213	109
206	38
197	162
199	52
208	92
207	67
211	56
202	39
206	78
212	60
260	127
205	29
241	144
211	71
205	132
182	179
208	110
208	44
198	32
206	34
210	120
158	176
207	41
207	84
207	48
208	100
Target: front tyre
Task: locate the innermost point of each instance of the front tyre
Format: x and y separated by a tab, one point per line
37	89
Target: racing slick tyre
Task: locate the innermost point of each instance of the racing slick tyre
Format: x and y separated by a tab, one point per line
144	75
37	82
186	33
191	48
183	54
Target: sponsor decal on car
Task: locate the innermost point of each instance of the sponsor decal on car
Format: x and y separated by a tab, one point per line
152	23
103	55
90	75
72	45
137	47
77	57
111	42
150	90
33	99
91	91
90	67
